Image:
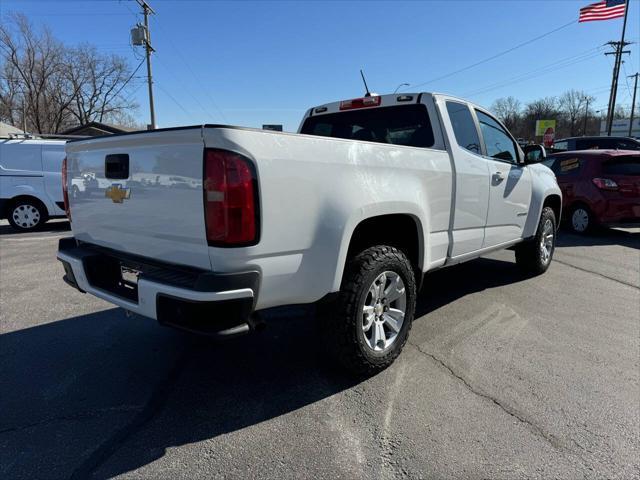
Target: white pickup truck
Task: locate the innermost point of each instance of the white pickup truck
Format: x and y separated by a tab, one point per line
350	212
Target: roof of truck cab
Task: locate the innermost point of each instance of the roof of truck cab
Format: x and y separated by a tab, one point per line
336	104
334	107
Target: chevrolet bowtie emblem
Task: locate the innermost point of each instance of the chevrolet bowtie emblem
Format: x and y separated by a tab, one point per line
117	194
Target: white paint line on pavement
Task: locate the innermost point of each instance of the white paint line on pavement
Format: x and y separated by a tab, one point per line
31	239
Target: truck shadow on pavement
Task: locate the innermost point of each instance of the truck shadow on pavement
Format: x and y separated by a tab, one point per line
100	394
448	285
600	236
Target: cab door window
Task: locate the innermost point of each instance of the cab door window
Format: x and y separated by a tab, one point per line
498	143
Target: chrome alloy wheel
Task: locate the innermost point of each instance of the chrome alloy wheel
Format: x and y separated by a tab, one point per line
383	311
26	216
580	220
547	242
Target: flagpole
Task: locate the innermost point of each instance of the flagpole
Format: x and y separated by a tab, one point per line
618	64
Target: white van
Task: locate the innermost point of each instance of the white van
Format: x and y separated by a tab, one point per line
30	181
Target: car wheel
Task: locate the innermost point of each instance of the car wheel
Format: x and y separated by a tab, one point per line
580	219
75	191
534	256
27	215
368	325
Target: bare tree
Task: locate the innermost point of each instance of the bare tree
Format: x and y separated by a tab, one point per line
573	104
541	109
99	81
621	112
55	86
35	69
508	110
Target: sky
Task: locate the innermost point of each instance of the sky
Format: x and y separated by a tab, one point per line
265	62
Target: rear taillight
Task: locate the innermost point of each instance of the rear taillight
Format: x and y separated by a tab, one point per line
364	102
230	199
605	184
65	190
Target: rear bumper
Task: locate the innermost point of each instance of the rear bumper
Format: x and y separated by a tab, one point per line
621	211
198	301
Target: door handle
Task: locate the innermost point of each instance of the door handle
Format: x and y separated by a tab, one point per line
498	177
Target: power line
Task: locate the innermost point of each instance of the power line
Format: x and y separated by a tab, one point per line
173	99
549	68
497	55
129	79
197	79
196	100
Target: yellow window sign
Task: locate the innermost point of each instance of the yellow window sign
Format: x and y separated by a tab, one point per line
570	164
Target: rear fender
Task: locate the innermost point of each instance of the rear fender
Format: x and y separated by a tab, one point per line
28	190
376	210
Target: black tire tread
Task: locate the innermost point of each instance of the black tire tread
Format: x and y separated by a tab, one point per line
527	255
343	340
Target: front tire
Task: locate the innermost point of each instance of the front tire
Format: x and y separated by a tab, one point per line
534	256
26	215
368	325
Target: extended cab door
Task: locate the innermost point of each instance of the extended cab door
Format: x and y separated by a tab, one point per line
510	183
471	178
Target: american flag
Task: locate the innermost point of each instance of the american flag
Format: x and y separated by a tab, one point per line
605	10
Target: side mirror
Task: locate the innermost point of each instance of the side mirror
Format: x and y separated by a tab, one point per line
534	153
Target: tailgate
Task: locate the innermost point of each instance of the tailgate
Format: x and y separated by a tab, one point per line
153	207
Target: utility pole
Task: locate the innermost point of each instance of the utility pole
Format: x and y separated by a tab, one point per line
633	103
619	51
24	116
586	115
146	10
616	70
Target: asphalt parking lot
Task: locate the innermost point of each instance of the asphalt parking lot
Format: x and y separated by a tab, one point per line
504	377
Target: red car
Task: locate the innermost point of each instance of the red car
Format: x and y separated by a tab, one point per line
599	187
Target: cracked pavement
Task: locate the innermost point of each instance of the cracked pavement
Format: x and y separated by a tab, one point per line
503	377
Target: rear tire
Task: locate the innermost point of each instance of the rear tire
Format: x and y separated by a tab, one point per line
367	326
534	256
580	220
27	214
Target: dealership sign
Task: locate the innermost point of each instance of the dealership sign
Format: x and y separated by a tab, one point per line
547	130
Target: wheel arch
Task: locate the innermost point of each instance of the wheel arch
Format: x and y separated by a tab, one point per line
545	189
555	202
13	200
403	230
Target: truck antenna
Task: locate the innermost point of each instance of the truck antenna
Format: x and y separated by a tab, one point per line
368	94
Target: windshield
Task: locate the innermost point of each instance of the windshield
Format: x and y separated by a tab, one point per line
401	125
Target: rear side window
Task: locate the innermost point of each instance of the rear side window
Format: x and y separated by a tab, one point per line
561	146
405	125
464	127
622	166
21	156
